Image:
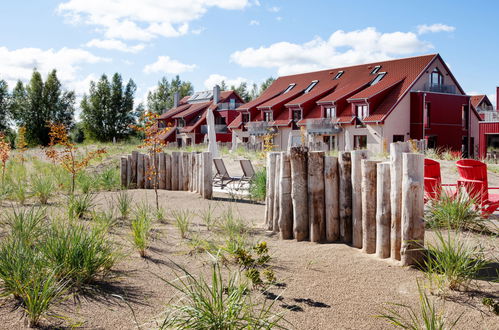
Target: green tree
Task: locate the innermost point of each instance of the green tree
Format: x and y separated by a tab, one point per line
37	104
162	97
107	111
242	90
4	106
266	84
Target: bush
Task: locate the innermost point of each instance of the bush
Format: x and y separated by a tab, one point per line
79	205
109	179
182	221
258	186
42	187
26	224
141	231
123	202
86	183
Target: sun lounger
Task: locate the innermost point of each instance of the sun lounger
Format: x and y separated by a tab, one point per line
222	177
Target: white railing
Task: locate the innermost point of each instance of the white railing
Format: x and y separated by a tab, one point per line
322	126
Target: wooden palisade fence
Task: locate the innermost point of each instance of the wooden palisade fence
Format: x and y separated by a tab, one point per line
373	205
185	171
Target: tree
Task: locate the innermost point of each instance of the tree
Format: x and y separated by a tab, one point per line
266	84
37	104
4	106
107	112
161	99
242	91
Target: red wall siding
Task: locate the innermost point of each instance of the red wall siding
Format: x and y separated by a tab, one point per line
445	118
486	128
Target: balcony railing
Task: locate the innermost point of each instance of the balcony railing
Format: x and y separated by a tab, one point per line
491	115
448	89
219	128
258	128
227	106
322	126
484	108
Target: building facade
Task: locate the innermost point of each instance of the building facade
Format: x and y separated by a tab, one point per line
364	106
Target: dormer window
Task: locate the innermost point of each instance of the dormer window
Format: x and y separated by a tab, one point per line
436	78
290	87
181	122
232	104
378	78
267	116
361	111
311	86
330	112
338	75
245	117
376	69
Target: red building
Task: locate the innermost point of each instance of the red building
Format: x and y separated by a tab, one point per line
188	116
489	128
364	106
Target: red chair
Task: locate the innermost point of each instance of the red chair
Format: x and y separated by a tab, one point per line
433	180
473	178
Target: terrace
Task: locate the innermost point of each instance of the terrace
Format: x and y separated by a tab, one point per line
322	126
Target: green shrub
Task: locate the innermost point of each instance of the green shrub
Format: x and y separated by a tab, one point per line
104	220
208	217
26	224
258	185
182	221
109	179
123	202
42	187
141	231
79	205
85	182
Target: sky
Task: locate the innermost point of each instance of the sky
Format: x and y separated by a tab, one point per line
206	41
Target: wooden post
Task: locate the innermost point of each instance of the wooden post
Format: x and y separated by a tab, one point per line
168	172
147	172
123	171
357	157
383	212
185	171
316	195
140	171
345	195
277	177
133	180
368	195
285	203
200	173
175	166
412	209
396	150
162	171
299	193
331	197
192	182
129	171
180	171
269	205
207	175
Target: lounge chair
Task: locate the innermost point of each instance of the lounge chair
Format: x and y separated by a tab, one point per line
473	178
248	171
433	180
222	177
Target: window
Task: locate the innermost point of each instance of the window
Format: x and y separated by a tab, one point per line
436	78
398	138
376	69
232	104
378	78
296	115
361	111
330	112
181	122
267	116
427	115
338	75
245	118
245	139
330	141
312	85
360	141
465	114
290	87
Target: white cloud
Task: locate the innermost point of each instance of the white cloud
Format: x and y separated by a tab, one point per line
340	49
198	30
164	64
254	22
274	9
215	79
19	63
142	20
113	44
422	29
493	99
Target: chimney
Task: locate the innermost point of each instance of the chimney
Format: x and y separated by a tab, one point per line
216	94
176	99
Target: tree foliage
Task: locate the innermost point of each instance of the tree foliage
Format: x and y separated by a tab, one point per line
4	106
107	111
39	103
245	92
162	97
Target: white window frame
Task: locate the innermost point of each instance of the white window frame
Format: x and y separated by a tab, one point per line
311	86
376	69
338	75
364	111
290	87
270	116
330	112
378	78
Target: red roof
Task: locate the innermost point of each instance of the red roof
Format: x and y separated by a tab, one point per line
195	107
172	112
237	122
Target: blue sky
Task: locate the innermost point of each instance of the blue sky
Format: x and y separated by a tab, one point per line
241	40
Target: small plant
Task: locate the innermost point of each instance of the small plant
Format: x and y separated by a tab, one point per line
452	263
182	221
42	187
104	220
85	182
160	214
141	231
123	202
491	304
79	205
4	154
208	217
258	186
110	179
21	144
230	225
427	318
26	224
217	303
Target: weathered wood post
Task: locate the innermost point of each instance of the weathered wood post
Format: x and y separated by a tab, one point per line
345	195
357	157
175	166
193	181
396	150
368	195
412	209
383	210
269	200
129	171
286	205
299	192
123	171
140	171
332	216
207	175
277	178
147	172
168	172
185	171
133	178
316	195
180	171
162	171
200	174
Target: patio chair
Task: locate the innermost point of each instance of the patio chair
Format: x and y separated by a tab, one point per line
473	178
433	180
248	171
222	177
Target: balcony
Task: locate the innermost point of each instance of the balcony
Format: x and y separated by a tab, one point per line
227	106
219	129
447	89
485	108
258	128
322	126
490	115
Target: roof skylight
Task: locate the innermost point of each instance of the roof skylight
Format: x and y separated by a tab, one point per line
376	69
311	86
378	78
338	75
290	87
